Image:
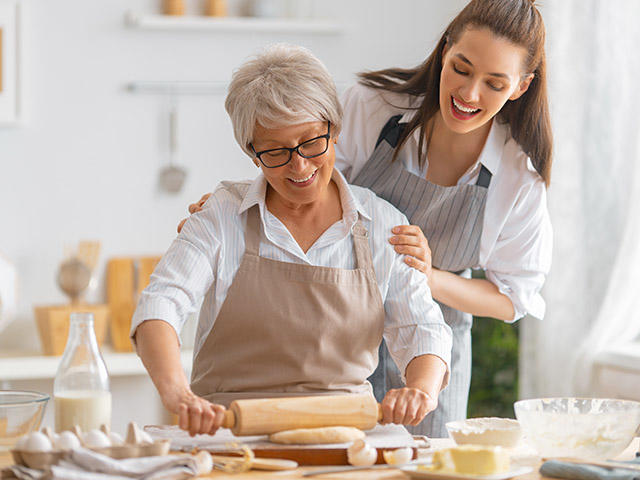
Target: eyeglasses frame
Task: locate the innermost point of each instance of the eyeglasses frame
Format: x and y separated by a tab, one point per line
296	149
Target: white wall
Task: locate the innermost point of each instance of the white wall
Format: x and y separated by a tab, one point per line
84	165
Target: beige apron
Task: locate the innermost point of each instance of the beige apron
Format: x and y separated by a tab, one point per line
289	329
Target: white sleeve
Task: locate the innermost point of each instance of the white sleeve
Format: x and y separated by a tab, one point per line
414	324
520	261
181	278
360	130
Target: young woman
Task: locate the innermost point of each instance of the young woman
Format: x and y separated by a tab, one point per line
462	145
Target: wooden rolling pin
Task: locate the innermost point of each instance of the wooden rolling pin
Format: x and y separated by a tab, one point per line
270	415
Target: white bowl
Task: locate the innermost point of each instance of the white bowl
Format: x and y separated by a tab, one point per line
500	432
591	428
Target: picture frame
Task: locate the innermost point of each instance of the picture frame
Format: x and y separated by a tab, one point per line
9	63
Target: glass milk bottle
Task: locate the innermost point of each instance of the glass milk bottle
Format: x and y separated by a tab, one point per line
81	387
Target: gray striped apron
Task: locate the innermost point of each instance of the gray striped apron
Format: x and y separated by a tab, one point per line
451	219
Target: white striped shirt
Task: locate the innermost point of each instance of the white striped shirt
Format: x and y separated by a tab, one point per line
202	262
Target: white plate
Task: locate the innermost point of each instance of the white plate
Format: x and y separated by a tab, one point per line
413	472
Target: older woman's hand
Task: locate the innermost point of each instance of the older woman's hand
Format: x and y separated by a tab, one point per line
407	406
193	208
195	414
410	241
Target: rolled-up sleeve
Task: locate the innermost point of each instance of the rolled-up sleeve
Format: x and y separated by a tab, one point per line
181	278
521	259
414	324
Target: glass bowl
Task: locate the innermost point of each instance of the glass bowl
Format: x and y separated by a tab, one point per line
20	413
589	428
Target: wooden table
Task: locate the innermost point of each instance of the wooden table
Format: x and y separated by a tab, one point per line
629	453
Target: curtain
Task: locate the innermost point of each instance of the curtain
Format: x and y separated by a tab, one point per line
594	88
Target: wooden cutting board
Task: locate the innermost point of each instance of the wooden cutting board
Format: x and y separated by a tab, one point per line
382	437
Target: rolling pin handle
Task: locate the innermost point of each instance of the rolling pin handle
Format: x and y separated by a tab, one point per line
229	419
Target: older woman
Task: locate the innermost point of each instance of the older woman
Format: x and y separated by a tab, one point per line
300	283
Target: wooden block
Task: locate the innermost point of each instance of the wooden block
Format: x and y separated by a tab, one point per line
120	325
215	8
146	265
53	324
173	7
120	286
126	278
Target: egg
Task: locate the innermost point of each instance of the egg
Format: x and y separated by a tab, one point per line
204	463
361	454
399	456
115	438
96	439
38	442
67	441
22	441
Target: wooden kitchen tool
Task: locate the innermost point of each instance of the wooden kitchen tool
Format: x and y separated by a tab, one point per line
270	415
215	8
53	324
126	278
74	276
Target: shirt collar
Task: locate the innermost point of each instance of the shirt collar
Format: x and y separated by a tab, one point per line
491	152
351	206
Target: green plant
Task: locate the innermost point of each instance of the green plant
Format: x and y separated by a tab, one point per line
494	373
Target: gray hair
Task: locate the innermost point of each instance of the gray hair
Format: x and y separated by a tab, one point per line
283	85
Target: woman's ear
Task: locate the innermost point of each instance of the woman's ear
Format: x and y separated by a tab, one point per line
335	139
523	86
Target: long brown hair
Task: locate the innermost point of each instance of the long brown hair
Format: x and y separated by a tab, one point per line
520	22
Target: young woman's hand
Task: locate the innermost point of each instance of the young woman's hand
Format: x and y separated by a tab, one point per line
406	406
409	240
195	414
193	208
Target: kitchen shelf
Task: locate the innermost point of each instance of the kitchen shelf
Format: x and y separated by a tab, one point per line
31	367
233	24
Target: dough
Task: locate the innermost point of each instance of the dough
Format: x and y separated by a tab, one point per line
307	436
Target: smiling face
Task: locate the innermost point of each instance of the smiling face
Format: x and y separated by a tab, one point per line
480	73
303	180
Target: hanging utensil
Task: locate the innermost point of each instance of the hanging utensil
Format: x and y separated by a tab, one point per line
172	176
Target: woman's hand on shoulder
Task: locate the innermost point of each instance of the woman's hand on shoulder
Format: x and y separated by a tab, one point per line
195	414
407	406
193	208
409	240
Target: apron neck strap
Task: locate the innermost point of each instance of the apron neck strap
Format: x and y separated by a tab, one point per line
361	246
252	232
391	131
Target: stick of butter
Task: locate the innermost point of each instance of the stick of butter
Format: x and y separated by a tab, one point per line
471	460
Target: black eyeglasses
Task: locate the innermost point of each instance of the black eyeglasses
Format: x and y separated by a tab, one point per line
277	157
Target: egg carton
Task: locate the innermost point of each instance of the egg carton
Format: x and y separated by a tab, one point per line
136	444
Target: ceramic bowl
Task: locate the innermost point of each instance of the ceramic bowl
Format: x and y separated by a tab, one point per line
499	432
